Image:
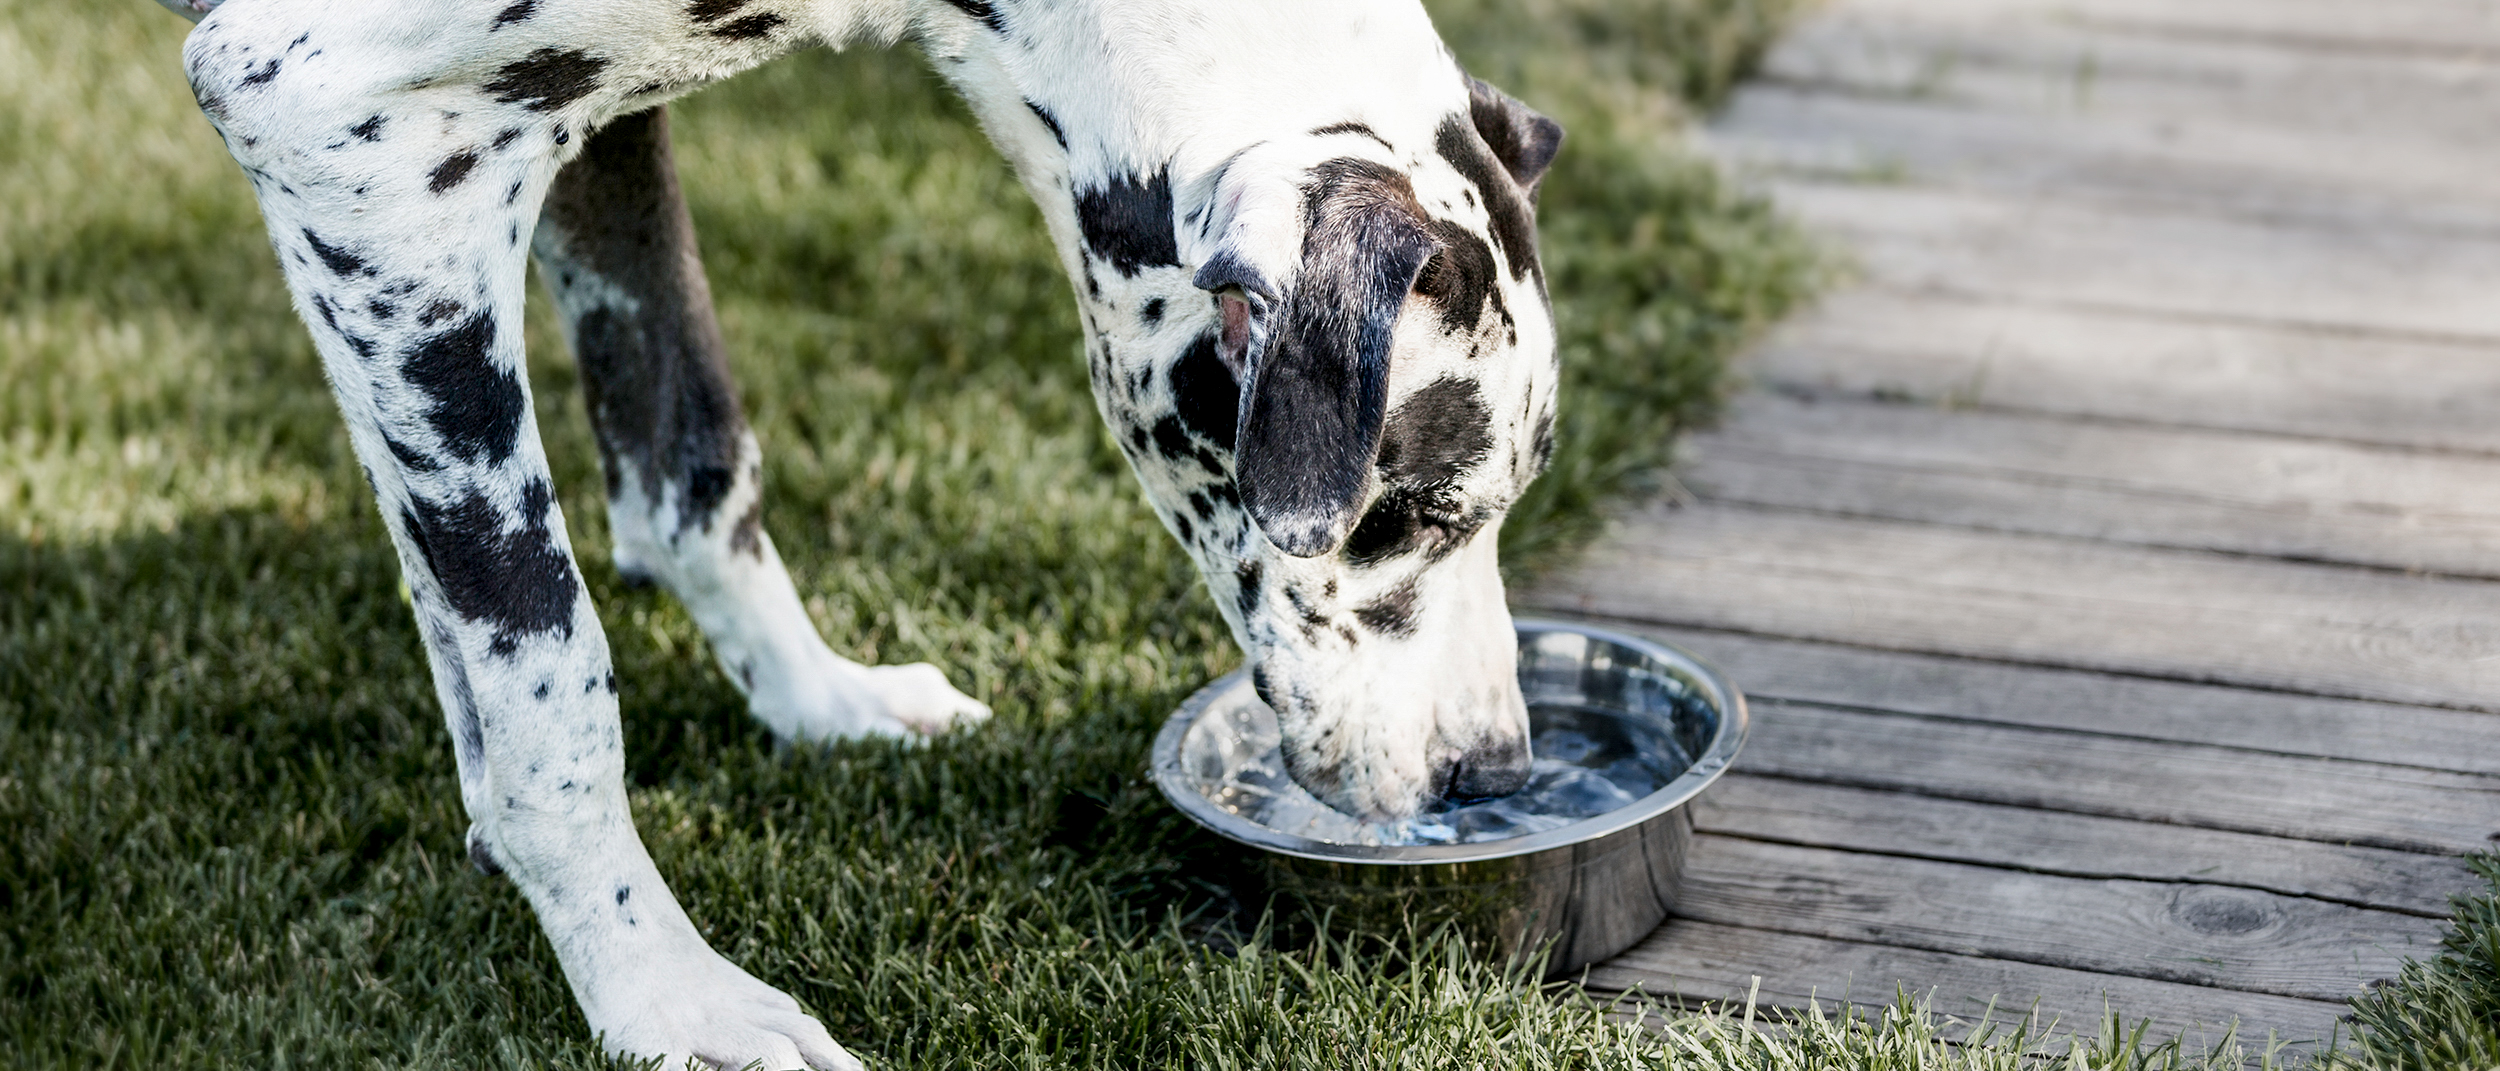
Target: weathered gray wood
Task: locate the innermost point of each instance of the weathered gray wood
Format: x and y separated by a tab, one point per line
2203	490
2102	152
2467	29
2158	259
2046	709
2047	601
2194	87
1701	961
2276	722
2191	372
2188	933
2394	807
1899	823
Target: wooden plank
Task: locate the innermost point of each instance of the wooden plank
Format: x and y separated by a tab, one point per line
2452	28
1898	823
2191	372
2079	72
2159	259
2179	615
2205	490
2275	722
1702	961
2398	176
2398	808
2192	934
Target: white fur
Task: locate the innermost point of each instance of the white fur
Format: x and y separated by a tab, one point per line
1222	96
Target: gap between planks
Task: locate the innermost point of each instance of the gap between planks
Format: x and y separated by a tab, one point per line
2182	488
2041	600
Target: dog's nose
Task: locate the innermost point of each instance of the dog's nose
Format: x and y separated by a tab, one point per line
1488	771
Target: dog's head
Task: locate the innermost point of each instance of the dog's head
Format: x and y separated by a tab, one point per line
1375	389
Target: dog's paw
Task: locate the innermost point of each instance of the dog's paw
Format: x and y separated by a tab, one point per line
828	697
709	1013
918	696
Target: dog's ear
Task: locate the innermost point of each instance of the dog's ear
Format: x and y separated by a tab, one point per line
1522	140
1313	352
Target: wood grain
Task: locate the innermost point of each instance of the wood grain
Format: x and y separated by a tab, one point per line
2154	710
2204	490
2161	259
1780	810
2195	785
2182	615
1816	126
2188	933
1706	962
2185	371
2468	29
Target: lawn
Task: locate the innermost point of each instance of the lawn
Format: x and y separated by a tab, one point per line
229	829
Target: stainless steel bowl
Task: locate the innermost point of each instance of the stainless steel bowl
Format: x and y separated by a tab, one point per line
1576	894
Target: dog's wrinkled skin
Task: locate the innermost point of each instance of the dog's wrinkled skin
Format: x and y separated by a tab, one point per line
1304	247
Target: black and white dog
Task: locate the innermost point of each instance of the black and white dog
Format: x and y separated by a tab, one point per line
1304	244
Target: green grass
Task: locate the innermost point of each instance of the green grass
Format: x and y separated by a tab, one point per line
229	832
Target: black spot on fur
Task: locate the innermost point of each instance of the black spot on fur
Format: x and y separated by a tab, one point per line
340	262
983	10
1458	280
1129	221
711	11
747	536
1353	128
750	27
452	171
1543	450
478	404
1049	121
541	692
1205	392
1512	217
520	582
264	75
321	306
624	893
483	857
1170	440
518	12
706	486
1392	614
409	458
1246	585
1435	435
381	310
370	129
547	79
363	346
438	311
1181	528
507	137
1151	313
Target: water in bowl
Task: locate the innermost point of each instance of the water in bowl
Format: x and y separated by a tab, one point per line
1589	761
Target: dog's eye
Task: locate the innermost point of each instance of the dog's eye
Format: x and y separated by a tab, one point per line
1434	277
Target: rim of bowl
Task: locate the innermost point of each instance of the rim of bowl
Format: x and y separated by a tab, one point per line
1705	769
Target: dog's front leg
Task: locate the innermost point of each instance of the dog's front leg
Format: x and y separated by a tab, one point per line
399	155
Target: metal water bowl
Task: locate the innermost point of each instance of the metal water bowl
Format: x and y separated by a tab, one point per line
1575	894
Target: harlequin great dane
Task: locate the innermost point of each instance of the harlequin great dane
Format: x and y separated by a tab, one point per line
1303	242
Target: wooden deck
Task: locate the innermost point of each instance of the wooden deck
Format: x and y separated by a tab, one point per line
2115	562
